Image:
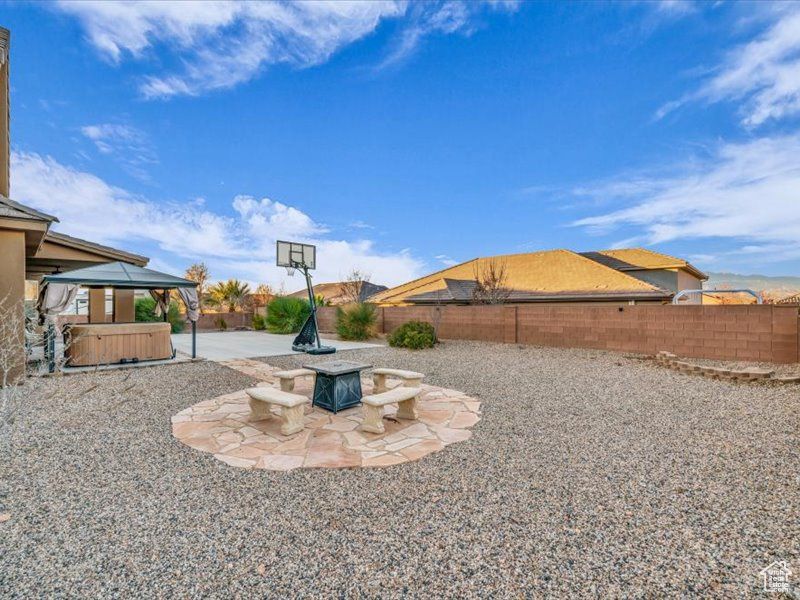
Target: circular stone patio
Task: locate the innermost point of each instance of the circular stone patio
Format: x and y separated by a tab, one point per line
224	427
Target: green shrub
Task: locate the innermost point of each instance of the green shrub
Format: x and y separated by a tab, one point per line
143	313
221	323
414	335
259	322
287	315
356	321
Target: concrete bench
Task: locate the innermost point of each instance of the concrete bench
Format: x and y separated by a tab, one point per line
287	377
410	379
262	399
404	397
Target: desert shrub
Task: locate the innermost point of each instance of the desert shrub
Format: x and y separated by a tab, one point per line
259	322
143	313
414	335
221	324
356	321
286	314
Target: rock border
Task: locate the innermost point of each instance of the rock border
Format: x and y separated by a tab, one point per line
672	361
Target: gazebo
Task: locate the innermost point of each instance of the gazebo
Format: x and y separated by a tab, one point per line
59	290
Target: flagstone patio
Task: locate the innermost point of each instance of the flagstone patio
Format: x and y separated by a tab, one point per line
224	427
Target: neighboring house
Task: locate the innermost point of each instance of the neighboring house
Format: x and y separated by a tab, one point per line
28	249
662	270
335	295
624	276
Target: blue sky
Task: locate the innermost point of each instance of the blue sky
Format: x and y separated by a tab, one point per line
402	137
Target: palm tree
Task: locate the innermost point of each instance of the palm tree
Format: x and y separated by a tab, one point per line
231	293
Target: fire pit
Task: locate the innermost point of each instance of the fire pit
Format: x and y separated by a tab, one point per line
338	384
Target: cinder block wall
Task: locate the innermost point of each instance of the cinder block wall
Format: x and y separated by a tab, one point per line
754	333
326	319
233	319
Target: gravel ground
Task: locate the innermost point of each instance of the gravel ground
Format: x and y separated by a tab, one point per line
591	474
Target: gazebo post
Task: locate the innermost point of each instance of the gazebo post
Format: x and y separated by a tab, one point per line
50	336
194	339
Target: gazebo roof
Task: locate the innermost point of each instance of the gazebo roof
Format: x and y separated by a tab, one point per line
120	275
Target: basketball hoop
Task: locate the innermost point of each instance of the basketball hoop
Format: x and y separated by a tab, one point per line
293	256
296	255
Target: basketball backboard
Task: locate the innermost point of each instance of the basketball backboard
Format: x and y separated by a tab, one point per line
296	255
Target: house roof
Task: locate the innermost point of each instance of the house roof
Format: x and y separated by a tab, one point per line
637	259
334	292
120	275
554	273
462	291
72	242
5	35
11	209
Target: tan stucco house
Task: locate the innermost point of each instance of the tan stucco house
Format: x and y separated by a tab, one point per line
29	249
336	294
624	276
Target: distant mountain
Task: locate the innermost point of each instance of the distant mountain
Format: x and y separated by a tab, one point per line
776	287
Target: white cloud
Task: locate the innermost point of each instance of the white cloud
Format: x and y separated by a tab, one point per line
126	144
748	192
222	44
429	18
677	8
446	260
358	224
763	74
241	244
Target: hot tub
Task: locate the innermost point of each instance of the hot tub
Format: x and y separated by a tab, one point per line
109	343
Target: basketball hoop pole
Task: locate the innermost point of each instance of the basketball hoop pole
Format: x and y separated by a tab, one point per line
312	302
292	256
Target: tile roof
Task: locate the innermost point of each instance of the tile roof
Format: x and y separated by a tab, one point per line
334	292
633	259
551	273
462	292
73	242
11	209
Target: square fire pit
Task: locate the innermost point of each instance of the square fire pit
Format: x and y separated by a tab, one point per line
338	384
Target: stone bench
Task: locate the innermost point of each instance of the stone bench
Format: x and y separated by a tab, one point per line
287	377
262	399
404	397
410	379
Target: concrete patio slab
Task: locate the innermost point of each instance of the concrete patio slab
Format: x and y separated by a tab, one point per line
228	345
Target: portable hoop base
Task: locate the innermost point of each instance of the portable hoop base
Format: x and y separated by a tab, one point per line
308	339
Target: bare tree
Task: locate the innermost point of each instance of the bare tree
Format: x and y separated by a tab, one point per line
262	296
491	280
198	272
12	351
353	286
